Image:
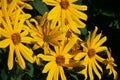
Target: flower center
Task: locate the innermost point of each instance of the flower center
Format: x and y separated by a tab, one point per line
16	38
60	60
91	53
64	4
9	1
46	38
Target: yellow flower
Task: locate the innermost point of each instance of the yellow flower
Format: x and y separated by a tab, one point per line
14	37
57	59
67	13
109	62
44	35
90	50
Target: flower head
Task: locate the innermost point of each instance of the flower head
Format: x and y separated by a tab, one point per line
14	37
44	35
109	62
67	14
90	50
57	60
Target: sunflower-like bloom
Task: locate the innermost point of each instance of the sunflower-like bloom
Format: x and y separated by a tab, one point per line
90	50
57	60
44	35
109	62
17	3
14	37
67	13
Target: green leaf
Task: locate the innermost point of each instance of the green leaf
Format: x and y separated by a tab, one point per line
3	75
31	69
74	76
84	31
40	6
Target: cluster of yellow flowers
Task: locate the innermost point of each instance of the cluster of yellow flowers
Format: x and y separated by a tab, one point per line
57	28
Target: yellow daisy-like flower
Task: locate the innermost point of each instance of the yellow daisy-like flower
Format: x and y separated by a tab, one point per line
109	62
90	50
57	60
44	35
67	13
14	37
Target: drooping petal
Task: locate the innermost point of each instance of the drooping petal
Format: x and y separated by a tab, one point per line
62	74
20	60
48	66
98	66
10	56
26	53
96	71
90	72
56	75
51	72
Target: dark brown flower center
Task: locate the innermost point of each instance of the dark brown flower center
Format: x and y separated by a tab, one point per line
9	1
16	38
60	60
64	4
91	53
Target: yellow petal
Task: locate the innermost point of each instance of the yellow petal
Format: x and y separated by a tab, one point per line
100	59
4	43
69	45
96	71
114	74
48	66
62	74
24	33
90	72
79	7
54	12
78	14
48	58
100	49
10	56
26	40
100	42
94	34
98	66
71	1
26	53
95	40
79	56
3	32
51	72
56	75
50	2
21	62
